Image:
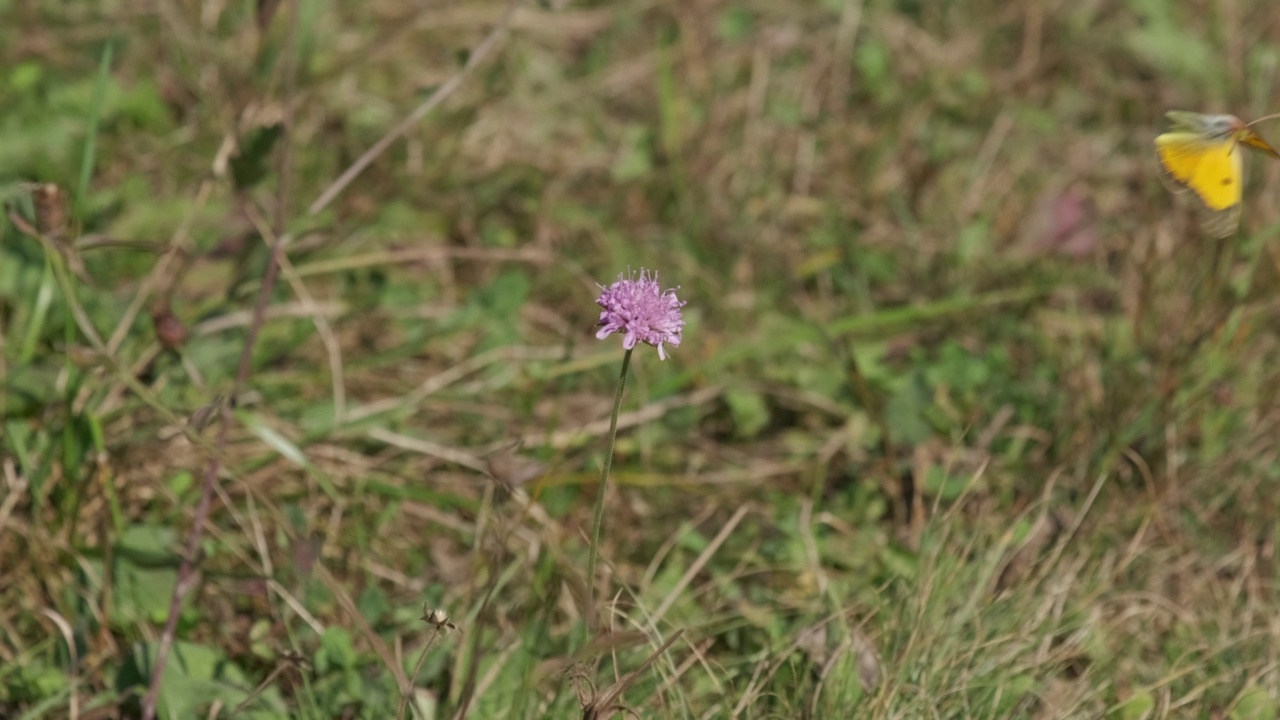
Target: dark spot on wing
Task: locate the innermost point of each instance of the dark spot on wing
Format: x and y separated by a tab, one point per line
1226	181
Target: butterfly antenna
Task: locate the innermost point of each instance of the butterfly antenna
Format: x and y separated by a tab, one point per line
1272	116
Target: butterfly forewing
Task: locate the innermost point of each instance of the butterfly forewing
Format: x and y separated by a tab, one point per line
1209	169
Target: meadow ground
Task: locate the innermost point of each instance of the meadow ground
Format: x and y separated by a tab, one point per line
970	419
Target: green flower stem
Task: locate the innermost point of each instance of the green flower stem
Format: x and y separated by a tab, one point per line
604	481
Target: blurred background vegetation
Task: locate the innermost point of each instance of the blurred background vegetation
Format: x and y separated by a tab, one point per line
970	419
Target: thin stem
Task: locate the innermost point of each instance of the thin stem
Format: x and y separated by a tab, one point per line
604	481
188	575
413	679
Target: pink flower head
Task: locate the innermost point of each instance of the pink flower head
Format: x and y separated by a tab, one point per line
643	309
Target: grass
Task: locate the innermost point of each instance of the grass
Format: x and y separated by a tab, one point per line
970	420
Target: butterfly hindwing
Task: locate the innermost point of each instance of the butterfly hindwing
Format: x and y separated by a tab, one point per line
1255	142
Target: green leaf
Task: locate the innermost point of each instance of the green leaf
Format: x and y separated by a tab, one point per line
875	63
900	562
750	412
938	483
32	682
506	295
373	603
735	23
25	77
337	652
195	676
260	640
141	595
1172	46
148	544
181	483
635	158
1256	704
1012	693
905	410
1140	706
269	435
974	242
28	389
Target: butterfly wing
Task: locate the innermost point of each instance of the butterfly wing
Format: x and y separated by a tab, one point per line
1190	122
1211	169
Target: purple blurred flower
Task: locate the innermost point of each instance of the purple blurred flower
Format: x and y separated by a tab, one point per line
643	309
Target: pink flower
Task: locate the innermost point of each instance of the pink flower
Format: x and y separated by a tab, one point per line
643	309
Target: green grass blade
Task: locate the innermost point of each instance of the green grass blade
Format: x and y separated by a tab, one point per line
89	157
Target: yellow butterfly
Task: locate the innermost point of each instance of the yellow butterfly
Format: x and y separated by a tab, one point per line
1199	154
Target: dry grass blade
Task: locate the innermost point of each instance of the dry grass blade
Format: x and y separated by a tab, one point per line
703	558
288	659
68	636
606	703
332	347
477	55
